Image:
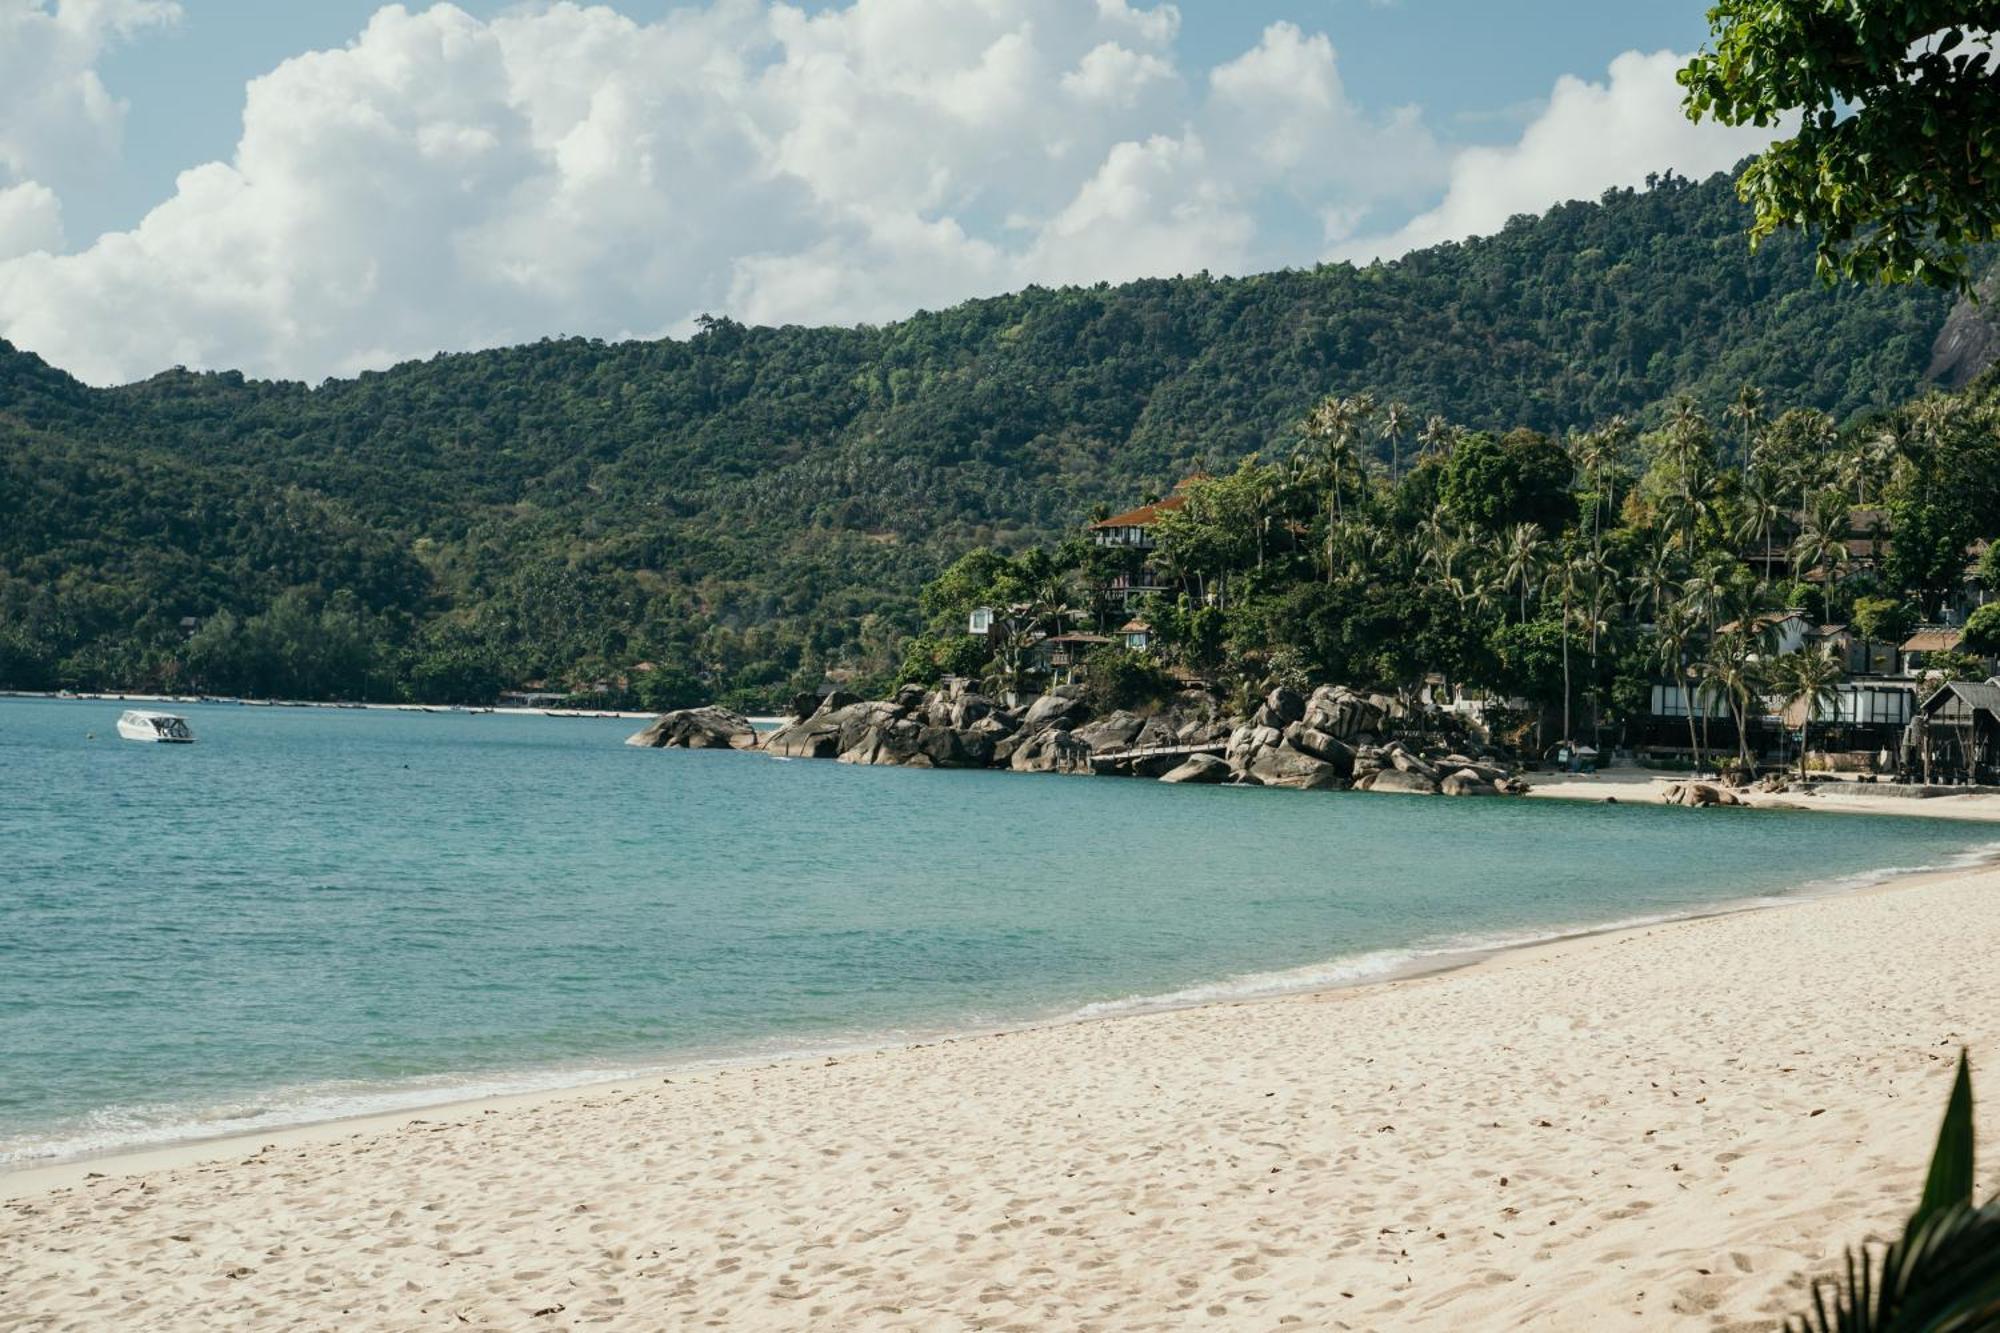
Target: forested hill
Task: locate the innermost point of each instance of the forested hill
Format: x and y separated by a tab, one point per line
753	505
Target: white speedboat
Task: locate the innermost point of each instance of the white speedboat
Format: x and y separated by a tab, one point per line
139	725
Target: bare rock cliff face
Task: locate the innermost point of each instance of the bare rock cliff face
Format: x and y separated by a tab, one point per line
1969	342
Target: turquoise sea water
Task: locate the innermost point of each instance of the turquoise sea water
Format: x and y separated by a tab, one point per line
314	913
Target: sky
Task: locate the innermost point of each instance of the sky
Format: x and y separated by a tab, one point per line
301	190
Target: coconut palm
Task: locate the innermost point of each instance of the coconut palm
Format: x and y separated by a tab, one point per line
1396	421
1822	540
1568	581
1657	583
1674	635
1522	553
1437	437
1757	517
1331	432
1731	673
1811	678
1746	411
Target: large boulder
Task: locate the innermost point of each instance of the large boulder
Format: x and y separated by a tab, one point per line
1409	763
968	710
835	726
947	747
891	741
837	700
1198	768
1400	780
1053	708
1700	794
1248	740
1465	782
1050	751
813	738
697	729
1457	763
1282	766
1341	712
1321	745
1115	731
1281	707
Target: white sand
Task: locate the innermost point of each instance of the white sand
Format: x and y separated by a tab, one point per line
1656	1129
1637	786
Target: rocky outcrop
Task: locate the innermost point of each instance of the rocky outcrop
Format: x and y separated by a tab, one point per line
1969	342
1052	751
1699	794
1327	739
697	729
1398	780
1465	782
1114	731
1282	766
1199	768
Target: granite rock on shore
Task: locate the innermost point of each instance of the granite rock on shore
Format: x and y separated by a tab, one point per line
1333	738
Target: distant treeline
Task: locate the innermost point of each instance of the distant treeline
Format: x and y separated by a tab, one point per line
749	508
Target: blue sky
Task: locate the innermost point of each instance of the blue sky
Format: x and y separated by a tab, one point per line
1481	67
457	177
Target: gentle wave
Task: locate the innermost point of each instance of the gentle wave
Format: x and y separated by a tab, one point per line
1458	951
135	1127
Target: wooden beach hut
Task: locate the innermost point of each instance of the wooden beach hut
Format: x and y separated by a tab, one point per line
1957	732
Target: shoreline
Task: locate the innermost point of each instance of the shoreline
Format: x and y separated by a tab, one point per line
213	701
21	1180
1664	1126
1638	786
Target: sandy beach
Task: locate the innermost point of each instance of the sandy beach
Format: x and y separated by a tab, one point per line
1659	1128
1637	786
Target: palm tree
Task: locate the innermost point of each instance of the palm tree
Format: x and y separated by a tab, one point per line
1331	431
1601	599
1811	678
1521	554
1730	673
1746	410
1674	632
1568	579
1437	437
1822	540
1657	583
1396	420
1757	517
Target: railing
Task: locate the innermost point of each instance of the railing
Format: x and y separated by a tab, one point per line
1159	752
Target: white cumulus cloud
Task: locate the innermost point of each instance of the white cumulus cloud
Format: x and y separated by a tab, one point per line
57	119
30	220
444	181
1589	138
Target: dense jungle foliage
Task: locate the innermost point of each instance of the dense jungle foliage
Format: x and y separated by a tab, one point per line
1570	575
749	508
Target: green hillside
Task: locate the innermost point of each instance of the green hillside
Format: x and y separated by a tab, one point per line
751	506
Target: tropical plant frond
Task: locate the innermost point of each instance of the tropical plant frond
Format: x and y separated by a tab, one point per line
1943	1274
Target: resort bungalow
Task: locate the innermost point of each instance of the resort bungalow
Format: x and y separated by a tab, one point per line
1955	736
979	623
1133	531
1061	654
1137	635
1918	648
1785	632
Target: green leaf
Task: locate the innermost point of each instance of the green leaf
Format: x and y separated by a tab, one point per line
1950	1180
